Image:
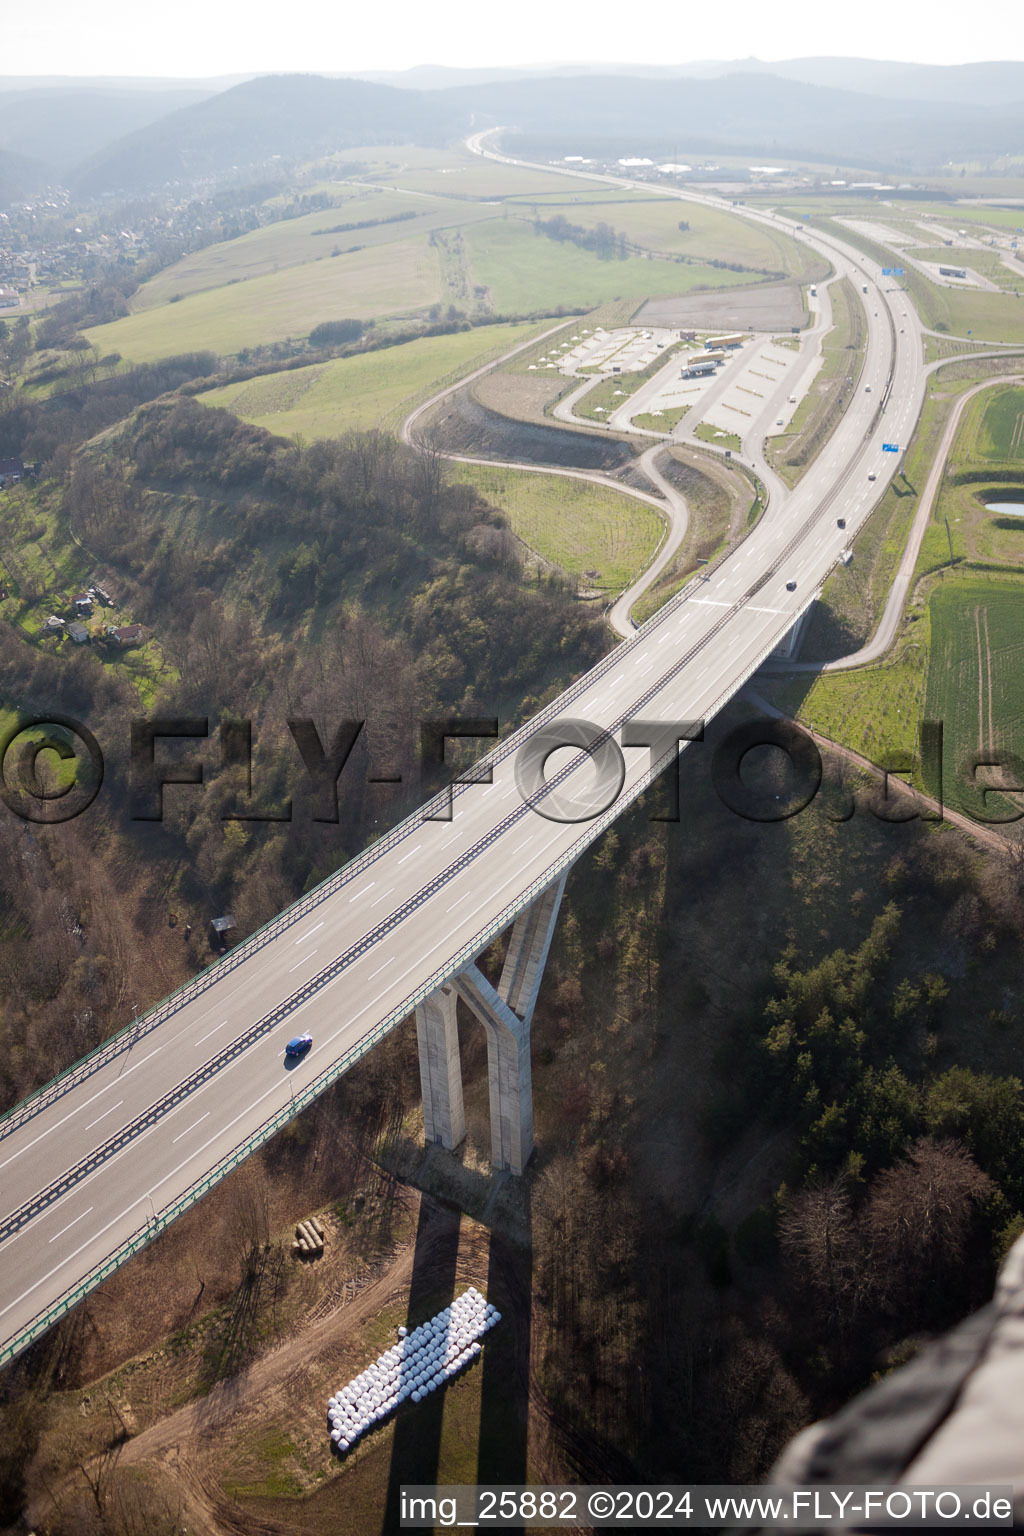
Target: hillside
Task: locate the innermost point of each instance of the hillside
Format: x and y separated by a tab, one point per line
62	125
19	175
284	117
991	84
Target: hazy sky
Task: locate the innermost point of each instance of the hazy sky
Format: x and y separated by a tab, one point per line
215	37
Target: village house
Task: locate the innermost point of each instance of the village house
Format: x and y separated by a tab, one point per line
127	634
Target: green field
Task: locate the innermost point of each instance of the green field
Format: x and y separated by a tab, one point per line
392	279
576	526
654	224
875	710
1000	432
371	390
525	271
976	672
470	176
293	242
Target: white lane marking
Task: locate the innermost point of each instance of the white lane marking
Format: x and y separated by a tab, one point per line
307	956
385	896
120	1079
410	853
380	968
70	1224
460	901
362	892
104	1115
191	1127
210	1032
311	932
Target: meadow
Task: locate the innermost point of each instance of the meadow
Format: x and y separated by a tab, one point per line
576	526
976	673
875	710
470	176
390	279
1000	432
653	222
373	389
293	242
525	271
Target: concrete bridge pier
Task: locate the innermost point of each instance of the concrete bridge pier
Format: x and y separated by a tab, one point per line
506	1013
437	1032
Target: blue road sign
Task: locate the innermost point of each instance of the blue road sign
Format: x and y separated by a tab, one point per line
890	447
898	272
887	271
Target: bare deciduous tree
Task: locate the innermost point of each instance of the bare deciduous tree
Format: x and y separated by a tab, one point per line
918	1213
818	1235
248	1222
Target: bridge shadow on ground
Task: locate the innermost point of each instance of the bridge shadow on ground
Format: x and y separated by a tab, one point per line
505	1388
423	1450
416	1447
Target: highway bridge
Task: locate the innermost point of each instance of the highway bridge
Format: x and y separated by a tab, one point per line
99	1161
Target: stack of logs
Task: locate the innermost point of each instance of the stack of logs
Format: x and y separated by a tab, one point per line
309	1239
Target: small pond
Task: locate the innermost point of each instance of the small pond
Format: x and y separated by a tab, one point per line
1007	508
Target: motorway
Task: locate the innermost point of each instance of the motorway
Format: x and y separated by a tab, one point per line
102	1159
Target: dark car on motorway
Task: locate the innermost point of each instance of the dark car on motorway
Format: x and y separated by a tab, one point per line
298	1045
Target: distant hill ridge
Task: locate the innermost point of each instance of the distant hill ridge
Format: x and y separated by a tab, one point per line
914	119
1000	82
285	116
